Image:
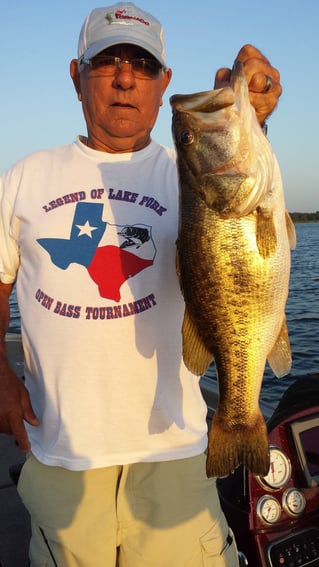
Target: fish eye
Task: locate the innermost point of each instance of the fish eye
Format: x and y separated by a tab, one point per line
187	137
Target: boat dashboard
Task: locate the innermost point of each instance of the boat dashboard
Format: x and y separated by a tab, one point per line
275	518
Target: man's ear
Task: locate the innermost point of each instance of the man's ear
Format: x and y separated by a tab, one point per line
75	76
166	79
167	75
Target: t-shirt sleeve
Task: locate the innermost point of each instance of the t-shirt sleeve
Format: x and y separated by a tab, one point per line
9	249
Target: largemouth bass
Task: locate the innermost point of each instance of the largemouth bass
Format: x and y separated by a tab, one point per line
233	261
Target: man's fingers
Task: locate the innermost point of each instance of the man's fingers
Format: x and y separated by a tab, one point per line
248	51
28	413
222	78
263	83
19	432
17	427
267	76
16	411
261	76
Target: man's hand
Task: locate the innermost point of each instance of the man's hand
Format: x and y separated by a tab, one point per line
15	406
263	81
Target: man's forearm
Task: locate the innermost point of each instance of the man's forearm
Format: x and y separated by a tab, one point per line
5	291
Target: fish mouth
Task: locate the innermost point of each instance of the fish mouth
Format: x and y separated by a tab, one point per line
208	102
204	103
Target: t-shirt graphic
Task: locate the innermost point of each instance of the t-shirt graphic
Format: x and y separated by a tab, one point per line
111	253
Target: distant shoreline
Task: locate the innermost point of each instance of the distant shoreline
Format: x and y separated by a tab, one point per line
305	217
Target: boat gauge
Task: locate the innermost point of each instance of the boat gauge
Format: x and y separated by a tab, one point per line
268	509
279	471
293	501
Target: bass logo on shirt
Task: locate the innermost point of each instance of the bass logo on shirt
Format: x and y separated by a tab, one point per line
111	253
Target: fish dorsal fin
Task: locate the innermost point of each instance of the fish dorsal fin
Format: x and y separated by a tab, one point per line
265	233
195	355
291	231
280	356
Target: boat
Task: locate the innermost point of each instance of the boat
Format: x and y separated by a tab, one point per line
275	518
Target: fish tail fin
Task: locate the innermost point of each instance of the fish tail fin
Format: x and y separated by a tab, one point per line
228	447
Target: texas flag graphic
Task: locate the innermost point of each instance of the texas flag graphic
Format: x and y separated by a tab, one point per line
111	253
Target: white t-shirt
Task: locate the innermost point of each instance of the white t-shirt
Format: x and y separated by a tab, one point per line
90	239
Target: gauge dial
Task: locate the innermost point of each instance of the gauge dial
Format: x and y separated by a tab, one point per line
293	501
268	509
279	471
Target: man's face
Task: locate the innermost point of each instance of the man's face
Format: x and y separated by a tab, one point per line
120	106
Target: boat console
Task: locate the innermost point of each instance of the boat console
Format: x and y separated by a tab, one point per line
276	518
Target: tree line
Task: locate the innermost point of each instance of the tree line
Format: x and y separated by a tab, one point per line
305	217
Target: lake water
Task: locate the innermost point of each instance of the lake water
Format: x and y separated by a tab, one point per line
302	314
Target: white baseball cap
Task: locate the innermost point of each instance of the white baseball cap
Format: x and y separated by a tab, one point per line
121	23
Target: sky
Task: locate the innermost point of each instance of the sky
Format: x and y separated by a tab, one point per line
39	108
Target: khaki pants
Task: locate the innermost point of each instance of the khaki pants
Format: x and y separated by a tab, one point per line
146	514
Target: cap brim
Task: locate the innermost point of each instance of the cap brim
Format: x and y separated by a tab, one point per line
116	40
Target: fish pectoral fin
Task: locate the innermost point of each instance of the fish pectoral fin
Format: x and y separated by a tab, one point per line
195	355
291	231
265	233
279	358
230	447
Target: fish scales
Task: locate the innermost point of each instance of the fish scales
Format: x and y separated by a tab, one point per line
233	261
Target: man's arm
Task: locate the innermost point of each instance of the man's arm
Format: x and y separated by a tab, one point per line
262	78
15	406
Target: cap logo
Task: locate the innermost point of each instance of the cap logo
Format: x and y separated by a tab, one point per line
109	17
123	15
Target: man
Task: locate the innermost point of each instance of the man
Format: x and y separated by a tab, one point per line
113	423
